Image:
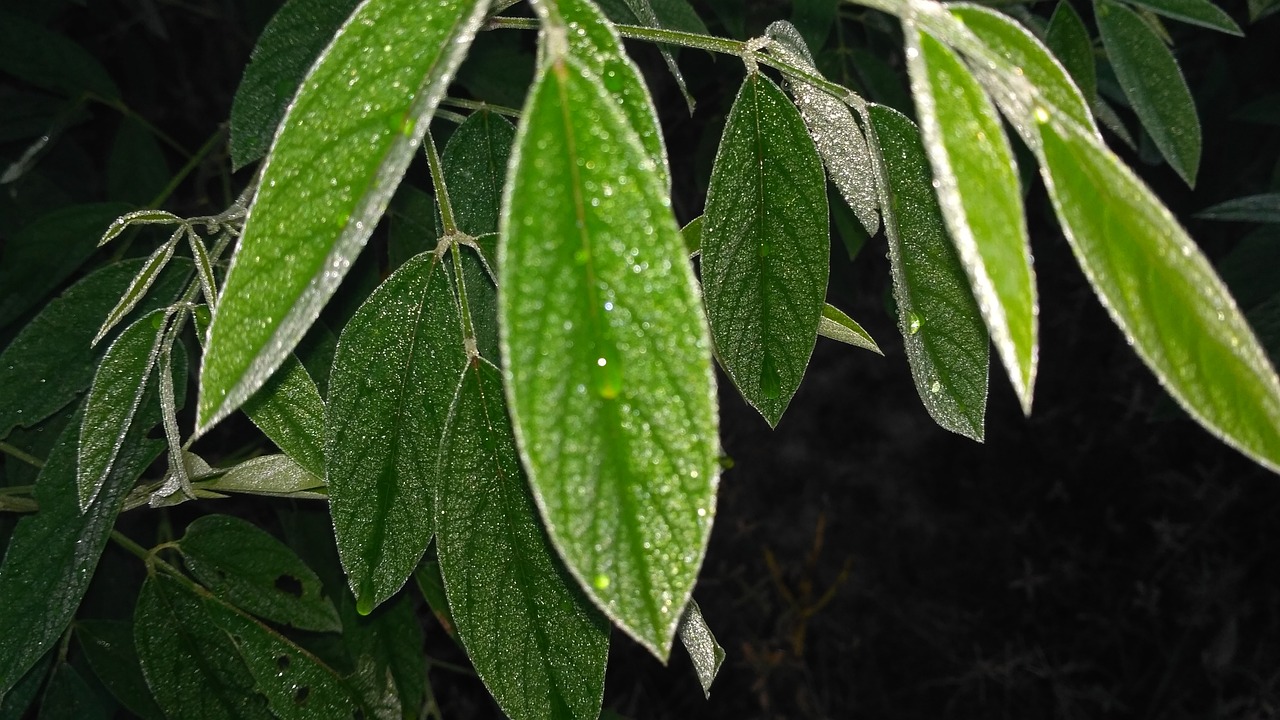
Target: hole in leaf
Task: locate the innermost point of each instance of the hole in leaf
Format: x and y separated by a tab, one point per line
300	694
289	584
282	662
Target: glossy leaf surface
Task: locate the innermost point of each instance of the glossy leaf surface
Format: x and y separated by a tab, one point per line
981	201
346	140
1069	40
247	567
393	379
1164	295
765	245
288	46
1151	79
835	325
704	651
535	640
475	168
839	140
114	401
53	553
608	362
942	330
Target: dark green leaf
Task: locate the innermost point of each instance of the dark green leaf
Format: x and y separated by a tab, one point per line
1196	12
475	166
1069	40
53	553
348	137
1252	208
535	640
51	361
813	19
248	568
288	409
43	254
1249	269
692	236
315	352
431	584
138	217
838	138
108	646
838	326
50	60
68	697
191	665
482	295
141	284
1151	79
393	380
942	330
15	703
646	17
412	225
610	381
765	245
1164	295
288	46
497	70
981	201
704	651
386	647
137	171
115	399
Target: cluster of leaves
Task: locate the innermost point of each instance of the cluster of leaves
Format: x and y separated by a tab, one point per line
521	417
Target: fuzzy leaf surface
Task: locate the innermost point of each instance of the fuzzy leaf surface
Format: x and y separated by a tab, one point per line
475	168
704	651
272	475
1069	40
608	362
393	380
1196	12
289	410
347	139
1159	288
840	327
535	640
765	245
942	329
981	200
1151	79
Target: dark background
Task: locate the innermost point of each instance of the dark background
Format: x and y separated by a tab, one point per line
1105	557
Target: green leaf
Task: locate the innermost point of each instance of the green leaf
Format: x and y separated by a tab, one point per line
393	380
141	284
346	140
431	584
289	410
692	236
594	43
15	703
1069	40
1196	12
704	651
765	245
37	258
138	217
248	568
53	553
50	60
475	167
137	171
1151	79
108	646
412	225
190	663
537	643
286	50
482	294
386	648
609	376
271	475
840	327
1164	295
1264	208
942	330
115	399
51	361
68	697
646	17
981	201
839	140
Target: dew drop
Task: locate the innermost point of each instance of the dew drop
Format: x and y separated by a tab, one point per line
936	387
365	605
913	323
600	582
607	376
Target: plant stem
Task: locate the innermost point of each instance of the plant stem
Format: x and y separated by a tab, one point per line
468	329
442	190
479	105
18	453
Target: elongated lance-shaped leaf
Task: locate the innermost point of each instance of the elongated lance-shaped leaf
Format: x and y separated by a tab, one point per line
942	330
475	168
290	411
981	201
1263	208
596	44
272	475
1196	12
1069	40
1151	79
204	268
1162	292
840	141
704	651
765	245
141	284
341	149
644	12
114	400
535	640
835	325
608	361
393	380
53	553
138	217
